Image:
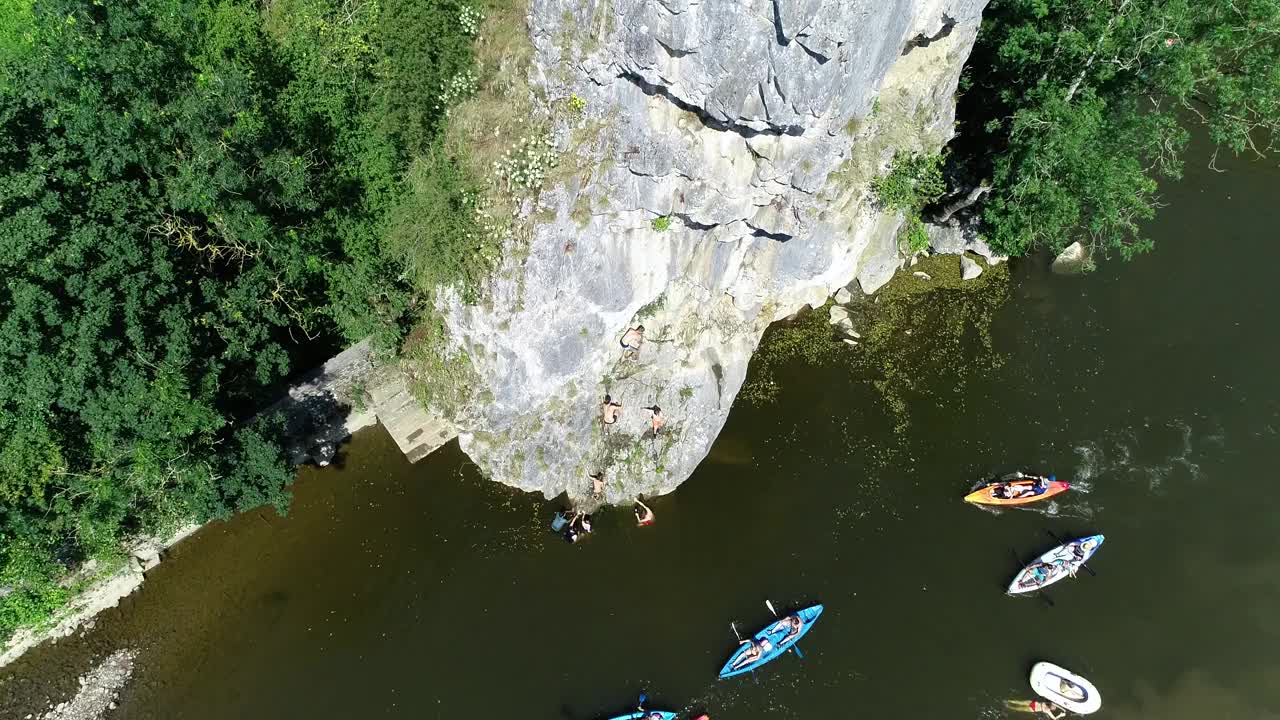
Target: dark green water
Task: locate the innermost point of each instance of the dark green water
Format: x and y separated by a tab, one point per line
425	592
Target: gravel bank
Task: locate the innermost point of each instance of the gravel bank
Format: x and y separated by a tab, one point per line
99	689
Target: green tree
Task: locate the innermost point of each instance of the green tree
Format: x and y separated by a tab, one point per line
1074	108
195	195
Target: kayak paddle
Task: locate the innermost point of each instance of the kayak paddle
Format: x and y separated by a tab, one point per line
795	647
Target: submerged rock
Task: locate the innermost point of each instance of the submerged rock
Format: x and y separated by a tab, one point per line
922	275
838	314
843	296
968	268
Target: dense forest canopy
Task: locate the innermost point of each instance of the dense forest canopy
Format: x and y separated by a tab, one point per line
1073	109
194	195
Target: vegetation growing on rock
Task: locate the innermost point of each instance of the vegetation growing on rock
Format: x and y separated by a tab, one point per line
914	180
914	333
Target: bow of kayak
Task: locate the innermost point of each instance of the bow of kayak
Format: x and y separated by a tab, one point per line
774	634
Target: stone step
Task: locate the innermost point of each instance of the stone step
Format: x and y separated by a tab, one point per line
416	431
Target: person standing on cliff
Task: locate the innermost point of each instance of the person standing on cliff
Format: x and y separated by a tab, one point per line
657	421
609	410
597	485
631	341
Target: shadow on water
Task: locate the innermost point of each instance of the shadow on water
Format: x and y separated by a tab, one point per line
424	591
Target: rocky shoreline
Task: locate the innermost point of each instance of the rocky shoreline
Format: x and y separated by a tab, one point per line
99	689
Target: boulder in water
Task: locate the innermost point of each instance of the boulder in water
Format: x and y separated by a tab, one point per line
843	296
1073	260
968	268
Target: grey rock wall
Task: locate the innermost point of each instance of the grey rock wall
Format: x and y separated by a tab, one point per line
756	127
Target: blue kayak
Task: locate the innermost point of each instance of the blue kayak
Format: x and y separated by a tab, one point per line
774	634
647	715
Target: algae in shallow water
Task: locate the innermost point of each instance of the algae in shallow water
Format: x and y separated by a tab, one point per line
924	336
917	336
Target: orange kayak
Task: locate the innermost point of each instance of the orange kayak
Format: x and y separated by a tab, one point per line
1023	492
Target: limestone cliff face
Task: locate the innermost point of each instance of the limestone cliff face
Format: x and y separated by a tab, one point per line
754	128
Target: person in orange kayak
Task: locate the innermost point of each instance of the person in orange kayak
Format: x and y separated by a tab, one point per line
1009	491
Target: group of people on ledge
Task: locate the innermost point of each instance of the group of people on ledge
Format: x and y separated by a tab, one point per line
577	525
610	409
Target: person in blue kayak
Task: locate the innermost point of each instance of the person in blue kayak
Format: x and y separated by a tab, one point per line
755	651
792	624
1040	573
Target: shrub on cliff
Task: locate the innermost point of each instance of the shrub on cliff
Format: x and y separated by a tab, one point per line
914	180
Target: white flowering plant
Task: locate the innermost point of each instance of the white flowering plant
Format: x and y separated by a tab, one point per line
460	87
469	20
525	166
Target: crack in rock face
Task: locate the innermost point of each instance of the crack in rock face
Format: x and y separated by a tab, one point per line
724	151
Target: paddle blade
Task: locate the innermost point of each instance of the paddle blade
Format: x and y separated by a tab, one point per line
798	653
640	702
769	605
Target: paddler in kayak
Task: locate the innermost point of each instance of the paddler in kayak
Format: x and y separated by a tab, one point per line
1040	572
1082	548
1010	491
1070	690
792	624
754	652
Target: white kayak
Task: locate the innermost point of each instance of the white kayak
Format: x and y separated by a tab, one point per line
1065	688
1055	565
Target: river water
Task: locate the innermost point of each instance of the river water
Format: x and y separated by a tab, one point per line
423	591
